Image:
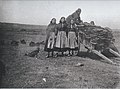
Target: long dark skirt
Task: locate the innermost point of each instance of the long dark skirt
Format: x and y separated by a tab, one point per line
61	41
50	41
72	41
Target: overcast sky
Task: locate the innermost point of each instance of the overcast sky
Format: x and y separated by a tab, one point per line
104	13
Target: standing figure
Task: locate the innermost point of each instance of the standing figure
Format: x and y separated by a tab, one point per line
50	39
78	22
72	38
61	40
75	16
92	23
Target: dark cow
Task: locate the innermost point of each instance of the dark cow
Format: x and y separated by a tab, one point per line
23	41
40	43
31	44
33	53
14	43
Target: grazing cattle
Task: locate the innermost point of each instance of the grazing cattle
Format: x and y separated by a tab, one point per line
2	72
14	43
33	53
32	44
23	30
42	42
23	41
38	44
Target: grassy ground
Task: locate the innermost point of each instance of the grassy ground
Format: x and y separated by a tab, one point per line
61	72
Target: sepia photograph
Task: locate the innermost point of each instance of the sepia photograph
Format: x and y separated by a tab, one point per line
60	44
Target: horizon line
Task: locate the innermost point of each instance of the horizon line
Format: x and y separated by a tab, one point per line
38	24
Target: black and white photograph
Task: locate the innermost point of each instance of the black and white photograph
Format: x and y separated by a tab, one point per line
60	44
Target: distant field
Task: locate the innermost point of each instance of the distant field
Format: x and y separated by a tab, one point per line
23	71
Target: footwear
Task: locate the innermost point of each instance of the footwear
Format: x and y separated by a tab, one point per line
52	54
68	55
56	55
63	54
72	52
47	56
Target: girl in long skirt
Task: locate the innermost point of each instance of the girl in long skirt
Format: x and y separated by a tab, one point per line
72	38
61	40
50	39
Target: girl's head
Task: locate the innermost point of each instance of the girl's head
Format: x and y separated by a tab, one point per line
92	23
78	11
53	21
72	21
62	20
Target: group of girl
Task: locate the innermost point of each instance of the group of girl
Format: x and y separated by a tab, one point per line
60	38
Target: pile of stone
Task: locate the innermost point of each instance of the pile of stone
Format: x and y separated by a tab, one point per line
97	37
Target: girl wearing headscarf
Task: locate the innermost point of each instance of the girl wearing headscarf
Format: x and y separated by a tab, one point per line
50	39
72	38
61	40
